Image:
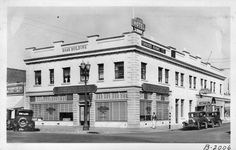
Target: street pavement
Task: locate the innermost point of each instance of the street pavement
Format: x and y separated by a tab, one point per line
58	134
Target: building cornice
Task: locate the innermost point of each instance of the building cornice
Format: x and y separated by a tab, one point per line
123	49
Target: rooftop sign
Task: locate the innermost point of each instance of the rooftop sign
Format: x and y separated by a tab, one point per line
137	23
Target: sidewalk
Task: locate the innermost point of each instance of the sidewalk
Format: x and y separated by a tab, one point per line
101	130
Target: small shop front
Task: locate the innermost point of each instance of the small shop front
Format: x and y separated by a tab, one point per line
210	103
61	106
154	99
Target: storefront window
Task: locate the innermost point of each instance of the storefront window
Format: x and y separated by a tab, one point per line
145	110
190	105
162	110
53	112
182	108
111	111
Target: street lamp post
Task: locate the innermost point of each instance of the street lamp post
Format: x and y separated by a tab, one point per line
84	68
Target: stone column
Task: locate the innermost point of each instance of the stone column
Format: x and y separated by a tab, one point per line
92	111
133	107
76	110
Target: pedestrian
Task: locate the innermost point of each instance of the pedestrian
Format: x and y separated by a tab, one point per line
154	119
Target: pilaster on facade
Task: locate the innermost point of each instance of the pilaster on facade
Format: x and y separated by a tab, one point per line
133	69
133	107
92	111
154	103
76	110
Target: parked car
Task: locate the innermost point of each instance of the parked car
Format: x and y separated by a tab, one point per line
201	119
22	121
213	119
196	120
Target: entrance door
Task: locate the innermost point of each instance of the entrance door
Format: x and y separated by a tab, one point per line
81	117
176	111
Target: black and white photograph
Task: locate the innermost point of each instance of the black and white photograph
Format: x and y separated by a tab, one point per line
125	74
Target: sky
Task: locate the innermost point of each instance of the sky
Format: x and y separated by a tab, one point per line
203	31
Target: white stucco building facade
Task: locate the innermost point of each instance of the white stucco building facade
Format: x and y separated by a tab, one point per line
134	75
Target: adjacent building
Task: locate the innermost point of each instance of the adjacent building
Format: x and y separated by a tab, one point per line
15	88
134	76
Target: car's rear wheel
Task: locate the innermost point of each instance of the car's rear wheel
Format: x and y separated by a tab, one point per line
212	124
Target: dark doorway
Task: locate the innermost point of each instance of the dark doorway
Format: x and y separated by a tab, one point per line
81	117
176	111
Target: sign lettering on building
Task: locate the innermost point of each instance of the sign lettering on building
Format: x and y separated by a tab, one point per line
74	48
18	89
148	45
204	91
137	23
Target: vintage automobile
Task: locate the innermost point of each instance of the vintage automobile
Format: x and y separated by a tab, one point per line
213	119
201	119
22	120
196	120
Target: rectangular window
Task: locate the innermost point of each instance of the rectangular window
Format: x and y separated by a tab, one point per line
51	76
201	83
160	74
182	108
53	112
205	84
111	111
145	110
162	110
214	87
66	75
190	82
177	78
220	88
100	71
166	76
181	79
190	105
143	71
173	54
119	70
37	75
194	82
211	86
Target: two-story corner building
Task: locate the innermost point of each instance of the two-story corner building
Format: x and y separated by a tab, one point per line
134	75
